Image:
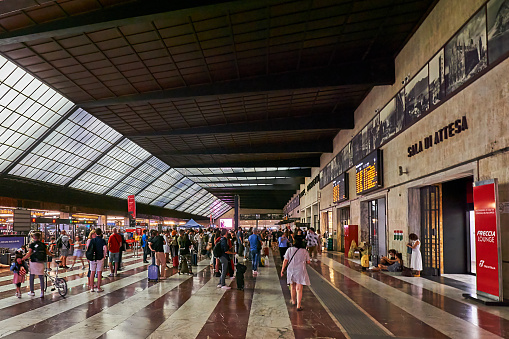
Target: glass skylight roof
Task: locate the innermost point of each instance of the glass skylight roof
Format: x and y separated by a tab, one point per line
112	167
233	184
160	189
215	179
140	178
84	153
71	147
28	108
212	171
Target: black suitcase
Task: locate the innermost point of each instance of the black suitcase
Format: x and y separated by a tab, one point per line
239	276
194	259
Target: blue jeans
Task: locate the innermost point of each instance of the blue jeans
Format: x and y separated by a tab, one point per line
255	255
224	270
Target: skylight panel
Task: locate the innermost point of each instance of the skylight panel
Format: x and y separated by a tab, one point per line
67	150
112	167
140	178
160	189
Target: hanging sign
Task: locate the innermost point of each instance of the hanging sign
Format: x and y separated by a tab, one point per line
131	206
487	239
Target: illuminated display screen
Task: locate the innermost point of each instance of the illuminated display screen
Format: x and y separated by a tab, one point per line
368	173
340	188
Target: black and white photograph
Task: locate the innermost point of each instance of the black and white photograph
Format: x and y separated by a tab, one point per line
417	96
400	110
357	148
366	143
388	121
346	157
498	29
437	78
465	54
374	132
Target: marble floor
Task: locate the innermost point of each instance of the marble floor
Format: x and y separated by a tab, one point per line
342	302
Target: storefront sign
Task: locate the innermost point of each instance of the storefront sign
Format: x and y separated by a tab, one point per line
131	206
487	239
441	135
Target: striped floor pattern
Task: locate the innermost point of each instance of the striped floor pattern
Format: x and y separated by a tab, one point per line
342	302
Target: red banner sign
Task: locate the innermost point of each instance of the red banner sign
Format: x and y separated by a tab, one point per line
487	238
131	206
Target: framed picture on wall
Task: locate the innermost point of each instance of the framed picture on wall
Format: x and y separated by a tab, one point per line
437	78
346	157
417	96
465	53
357	148
388	121
400	110
498	29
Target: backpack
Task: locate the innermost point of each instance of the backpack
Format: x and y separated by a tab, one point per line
218	250
40	253
91	251
59	242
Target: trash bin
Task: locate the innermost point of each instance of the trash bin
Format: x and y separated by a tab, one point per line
330	244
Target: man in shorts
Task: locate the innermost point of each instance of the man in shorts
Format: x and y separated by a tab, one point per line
65	249
114	243
156	245
96	265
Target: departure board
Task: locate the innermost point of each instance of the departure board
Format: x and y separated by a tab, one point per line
368	173
340	188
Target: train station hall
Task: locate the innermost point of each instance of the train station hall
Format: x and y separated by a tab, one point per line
257	169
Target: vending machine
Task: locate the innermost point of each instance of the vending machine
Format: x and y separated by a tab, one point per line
351	234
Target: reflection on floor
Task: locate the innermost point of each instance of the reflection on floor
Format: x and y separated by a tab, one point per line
343	302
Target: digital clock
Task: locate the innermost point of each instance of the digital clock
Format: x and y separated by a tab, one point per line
340	188
368	173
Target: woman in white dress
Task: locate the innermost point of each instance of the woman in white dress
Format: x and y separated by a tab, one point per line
296	258
166	247
416	259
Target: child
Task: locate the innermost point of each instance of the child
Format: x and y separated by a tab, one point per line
78	252
19	269
52	247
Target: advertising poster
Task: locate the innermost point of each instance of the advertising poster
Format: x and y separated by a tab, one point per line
12	243
131	206
487	238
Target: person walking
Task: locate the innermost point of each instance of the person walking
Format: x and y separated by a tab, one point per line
283	245
123	248
296	258
312	243
114	244
96	260
64	244
144	245
224	259
416	258
78	253
38	253
19	271
156	245
255	246
184	252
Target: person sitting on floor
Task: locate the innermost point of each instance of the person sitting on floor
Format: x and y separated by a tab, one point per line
396	267
389	260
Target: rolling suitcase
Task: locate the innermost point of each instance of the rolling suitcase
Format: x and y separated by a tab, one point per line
185	268
175	261
239	276
194	259
153	270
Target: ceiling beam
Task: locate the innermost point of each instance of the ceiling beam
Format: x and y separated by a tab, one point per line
370	72
115	16
330	121
293	187
292	162
301	147
285	181
304	172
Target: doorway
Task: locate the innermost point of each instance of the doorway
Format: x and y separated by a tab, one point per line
430	230
377	229
344	219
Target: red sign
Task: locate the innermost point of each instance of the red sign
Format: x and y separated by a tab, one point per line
131	206
486	238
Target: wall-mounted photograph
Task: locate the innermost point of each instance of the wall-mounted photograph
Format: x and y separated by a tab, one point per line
366	144
465	53
346	157
374	132
357	148
498	29
417	96
437	78
388	121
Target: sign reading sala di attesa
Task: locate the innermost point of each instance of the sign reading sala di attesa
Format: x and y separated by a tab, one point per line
446	132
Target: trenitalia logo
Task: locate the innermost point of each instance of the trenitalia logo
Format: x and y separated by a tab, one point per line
481	264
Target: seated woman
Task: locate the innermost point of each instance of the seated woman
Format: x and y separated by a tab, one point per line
389	260
397	266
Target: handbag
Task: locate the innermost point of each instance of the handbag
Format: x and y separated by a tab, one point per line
409	249
289	261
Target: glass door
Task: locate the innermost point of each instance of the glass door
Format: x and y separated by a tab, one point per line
373	231
430	230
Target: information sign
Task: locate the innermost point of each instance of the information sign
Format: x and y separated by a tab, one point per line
368	173
340	188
